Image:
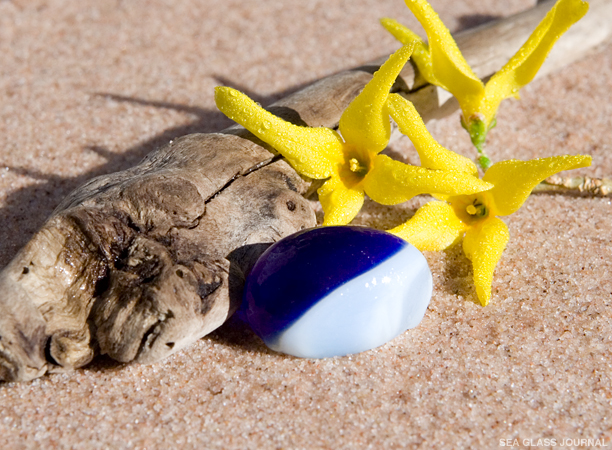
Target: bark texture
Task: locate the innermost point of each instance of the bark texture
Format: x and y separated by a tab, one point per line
141	263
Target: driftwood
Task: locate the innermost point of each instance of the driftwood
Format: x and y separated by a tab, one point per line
141	263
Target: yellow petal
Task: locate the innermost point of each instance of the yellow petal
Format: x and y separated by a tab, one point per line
390	182
450	68
434	227
524	65
340	204
484	245
365	123
432	154
514	180
420	54
313	152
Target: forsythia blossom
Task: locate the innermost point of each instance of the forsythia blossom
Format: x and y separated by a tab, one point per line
442	64
350	159
439	224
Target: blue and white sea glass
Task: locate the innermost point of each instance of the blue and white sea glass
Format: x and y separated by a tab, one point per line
334	291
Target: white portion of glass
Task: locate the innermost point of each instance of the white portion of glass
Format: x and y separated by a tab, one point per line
363	313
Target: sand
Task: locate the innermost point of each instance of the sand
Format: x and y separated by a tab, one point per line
90	87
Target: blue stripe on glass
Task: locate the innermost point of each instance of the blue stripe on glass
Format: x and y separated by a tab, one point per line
300	269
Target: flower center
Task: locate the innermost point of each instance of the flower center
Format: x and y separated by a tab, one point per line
357	167
472	208
477	209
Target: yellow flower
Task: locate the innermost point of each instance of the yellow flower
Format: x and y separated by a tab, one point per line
437	225
442	64
349	159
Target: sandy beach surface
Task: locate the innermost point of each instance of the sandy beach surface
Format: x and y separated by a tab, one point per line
90	87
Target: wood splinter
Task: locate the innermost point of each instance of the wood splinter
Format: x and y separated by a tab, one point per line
141	263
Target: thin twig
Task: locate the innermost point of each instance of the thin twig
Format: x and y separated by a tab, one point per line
597	187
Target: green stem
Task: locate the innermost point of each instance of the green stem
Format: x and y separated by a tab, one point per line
478	130
483	161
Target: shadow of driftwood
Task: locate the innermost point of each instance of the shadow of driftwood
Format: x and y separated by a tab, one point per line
237	334
27	209
474	20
